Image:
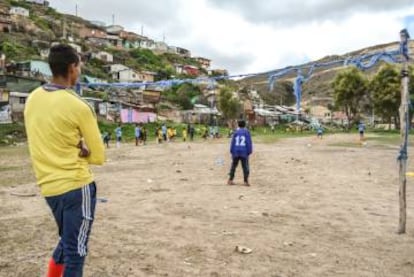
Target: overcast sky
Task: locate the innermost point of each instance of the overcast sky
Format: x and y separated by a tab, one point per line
246	36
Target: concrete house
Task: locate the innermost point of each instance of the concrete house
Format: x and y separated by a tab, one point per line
92	32
160	47
34	68
123	73
103	56
128	75
113	68
183	52
114	29
190	70
19	11
204	62
114	40
147	76
39	2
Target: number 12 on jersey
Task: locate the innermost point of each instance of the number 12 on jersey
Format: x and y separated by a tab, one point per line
240	141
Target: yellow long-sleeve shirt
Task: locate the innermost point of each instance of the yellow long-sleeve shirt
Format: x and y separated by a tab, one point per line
55	122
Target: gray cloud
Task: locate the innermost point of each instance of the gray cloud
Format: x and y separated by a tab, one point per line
127	13
290	12
235	59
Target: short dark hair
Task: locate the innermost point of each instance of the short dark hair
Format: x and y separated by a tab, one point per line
241	123
61	56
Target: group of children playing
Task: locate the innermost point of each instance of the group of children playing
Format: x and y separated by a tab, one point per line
360	127
162	133
140	136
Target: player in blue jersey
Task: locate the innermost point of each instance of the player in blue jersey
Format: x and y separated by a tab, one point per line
241	147
361	130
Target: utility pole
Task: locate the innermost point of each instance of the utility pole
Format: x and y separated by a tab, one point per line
76	10
404	130
64	28
113	19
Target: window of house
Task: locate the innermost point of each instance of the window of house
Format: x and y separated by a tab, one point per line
22	100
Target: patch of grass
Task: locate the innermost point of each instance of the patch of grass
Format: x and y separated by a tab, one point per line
274	137
8	168
385	139
392	138
346	144
12	133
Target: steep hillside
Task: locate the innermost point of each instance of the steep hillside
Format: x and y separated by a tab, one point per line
320	83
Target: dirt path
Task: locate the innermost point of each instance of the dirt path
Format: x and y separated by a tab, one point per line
313	210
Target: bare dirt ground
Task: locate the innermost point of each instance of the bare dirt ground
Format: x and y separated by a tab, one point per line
325	209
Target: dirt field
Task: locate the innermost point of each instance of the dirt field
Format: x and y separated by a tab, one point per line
315	208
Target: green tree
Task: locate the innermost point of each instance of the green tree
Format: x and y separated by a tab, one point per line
185	93
228	105
164	73
385	90
182	95
146	58
350	93
282	94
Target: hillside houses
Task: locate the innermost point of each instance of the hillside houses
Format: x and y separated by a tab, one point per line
106	56
13	94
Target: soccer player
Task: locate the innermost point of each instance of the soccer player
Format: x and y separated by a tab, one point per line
241	147
137	134
361	130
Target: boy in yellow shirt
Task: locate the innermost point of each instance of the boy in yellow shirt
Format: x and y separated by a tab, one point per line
184	134
63	139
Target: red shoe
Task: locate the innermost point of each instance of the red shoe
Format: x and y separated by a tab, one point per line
230	183
246	184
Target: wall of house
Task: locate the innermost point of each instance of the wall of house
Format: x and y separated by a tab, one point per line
40	2
17	104
5	114
146	77
106	57
91	32
117	67
129	76
19	11
41	67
